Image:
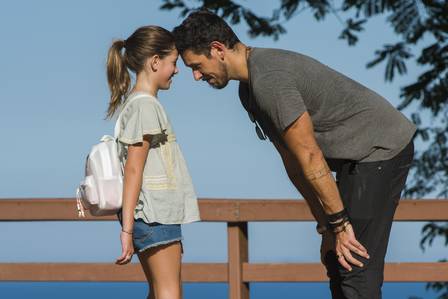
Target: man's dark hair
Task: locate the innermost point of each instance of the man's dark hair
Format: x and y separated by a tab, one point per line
201	28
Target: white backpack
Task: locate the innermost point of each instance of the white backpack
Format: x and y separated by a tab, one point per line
101	190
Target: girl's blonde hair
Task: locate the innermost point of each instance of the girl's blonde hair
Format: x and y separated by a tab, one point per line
131	54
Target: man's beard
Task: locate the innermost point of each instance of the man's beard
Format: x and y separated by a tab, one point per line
224	75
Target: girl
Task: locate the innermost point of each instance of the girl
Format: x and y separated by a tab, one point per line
158	194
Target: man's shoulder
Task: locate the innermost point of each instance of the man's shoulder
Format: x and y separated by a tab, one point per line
272	55
267	60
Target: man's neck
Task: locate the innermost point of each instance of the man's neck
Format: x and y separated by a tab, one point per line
238	66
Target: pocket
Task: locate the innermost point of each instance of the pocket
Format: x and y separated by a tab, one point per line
110	192
362	198
364	190
89	193
141	231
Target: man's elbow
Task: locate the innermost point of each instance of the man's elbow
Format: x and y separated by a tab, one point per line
309	156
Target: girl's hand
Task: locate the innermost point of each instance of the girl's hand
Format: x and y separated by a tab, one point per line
347	243
127	249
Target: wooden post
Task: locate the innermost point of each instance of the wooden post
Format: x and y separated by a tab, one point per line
238	254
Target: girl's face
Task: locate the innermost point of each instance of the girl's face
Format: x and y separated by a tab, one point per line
167	69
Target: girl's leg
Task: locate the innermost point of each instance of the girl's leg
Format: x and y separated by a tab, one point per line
151	291
162	268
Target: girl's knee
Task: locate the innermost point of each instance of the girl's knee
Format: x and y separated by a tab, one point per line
172	293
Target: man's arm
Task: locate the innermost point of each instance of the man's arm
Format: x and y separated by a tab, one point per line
300	141
277	96
298	179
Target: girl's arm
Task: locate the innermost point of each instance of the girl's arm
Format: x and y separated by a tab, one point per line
133	175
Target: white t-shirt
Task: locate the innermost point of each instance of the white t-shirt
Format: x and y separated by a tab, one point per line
167	195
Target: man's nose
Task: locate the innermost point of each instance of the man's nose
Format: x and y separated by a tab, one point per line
197	75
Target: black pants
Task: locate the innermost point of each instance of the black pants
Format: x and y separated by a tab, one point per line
370	192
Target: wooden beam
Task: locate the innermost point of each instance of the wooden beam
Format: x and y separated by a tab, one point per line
213	272
278	272
191	272
38	209
313	272
238	253
214	210
416	272
422	210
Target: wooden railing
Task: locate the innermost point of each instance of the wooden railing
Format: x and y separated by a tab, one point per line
237	272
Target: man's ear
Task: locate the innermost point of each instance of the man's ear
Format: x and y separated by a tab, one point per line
152	63
218	49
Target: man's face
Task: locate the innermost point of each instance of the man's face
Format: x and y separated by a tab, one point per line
210	69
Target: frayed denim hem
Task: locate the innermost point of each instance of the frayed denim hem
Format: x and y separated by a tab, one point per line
160	243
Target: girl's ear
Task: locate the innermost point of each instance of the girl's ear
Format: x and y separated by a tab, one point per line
153	63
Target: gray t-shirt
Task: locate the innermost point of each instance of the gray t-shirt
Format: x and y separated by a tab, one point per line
350	121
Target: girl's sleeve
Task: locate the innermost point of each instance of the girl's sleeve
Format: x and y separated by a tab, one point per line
142	118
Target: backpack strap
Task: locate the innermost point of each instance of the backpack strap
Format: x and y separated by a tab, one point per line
128	102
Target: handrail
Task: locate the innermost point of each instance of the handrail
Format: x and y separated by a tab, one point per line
237	272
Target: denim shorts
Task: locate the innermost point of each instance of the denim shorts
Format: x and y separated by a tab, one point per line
149	235
154	234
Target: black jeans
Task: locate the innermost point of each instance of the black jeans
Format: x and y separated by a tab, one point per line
370	192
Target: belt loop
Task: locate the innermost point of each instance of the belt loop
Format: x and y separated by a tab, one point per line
353	168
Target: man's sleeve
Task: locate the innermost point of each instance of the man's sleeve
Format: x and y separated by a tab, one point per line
277	96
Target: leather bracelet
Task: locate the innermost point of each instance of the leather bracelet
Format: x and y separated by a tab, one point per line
338	222
336	226
127	232
336	217
321	229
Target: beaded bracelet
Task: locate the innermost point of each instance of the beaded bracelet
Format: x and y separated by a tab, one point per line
341	228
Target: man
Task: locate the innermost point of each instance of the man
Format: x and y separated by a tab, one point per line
319	120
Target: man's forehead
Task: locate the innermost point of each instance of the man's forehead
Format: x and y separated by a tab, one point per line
191	58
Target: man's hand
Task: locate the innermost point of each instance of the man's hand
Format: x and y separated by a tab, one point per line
328	244
345	243
340	244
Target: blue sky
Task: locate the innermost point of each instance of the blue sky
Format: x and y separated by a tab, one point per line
54	96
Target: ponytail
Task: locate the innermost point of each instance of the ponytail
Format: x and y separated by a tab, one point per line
117	76
143	43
